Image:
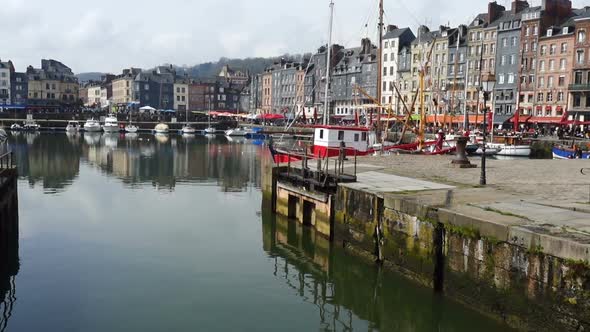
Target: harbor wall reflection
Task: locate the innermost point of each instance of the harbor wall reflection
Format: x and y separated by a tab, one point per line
138	159
9	259
343	286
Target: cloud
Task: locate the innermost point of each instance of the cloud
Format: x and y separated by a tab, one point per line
112	34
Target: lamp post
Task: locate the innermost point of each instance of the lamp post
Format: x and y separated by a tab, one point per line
488	81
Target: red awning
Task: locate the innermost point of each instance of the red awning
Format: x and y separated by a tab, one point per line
545	119
548	108
539	108
273	116
521	119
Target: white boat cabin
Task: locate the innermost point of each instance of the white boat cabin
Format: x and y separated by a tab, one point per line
329	138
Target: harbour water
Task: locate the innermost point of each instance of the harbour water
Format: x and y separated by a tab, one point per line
169	233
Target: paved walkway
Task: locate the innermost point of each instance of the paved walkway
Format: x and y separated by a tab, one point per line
532	201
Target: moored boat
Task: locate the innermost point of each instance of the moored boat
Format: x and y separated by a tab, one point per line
187	129
92	125
73	127
237	132
162	128
511	146
131	129
561	152
111	124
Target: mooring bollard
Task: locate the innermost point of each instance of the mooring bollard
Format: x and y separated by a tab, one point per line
586	171
461	160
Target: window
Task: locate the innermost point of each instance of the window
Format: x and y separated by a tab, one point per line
578	77
513	59
510	78
580	57
551	64
541	82
552	49
386	44
534	46
364	136
535	30
503	60
563	48
527	31
513	41
526	47
146	87
385	57
549	96
562	64
561	81
356	137
540	97
542	65
501	79
550	82
504	42
560	96
321	133
577	100
341	135
492	48
581	36
543	49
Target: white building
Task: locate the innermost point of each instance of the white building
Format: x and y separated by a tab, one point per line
93	96
393	41
181	96
6	68
104	97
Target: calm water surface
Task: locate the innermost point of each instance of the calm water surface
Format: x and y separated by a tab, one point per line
147	233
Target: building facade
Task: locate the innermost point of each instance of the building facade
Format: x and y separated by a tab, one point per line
393	41
6	70
54	85
580	83
123	87
181	95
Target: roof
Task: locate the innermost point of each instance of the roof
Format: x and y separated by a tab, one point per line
396	33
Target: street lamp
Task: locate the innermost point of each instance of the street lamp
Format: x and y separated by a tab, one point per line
488	81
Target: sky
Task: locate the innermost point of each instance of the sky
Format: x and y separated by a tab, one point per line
110	35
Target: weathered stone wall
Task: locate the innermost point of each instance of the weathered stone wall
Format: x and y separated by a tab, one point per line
520	285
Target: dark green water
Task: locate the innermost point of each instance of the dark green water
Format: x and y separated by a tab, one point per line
169	234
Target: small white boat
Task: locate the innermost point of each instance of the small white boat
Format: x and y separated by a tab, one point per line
238	132
111	124
131	129
511	150
210	131
92	126
31	125
73	127
162	128
15	126
489	151
188	130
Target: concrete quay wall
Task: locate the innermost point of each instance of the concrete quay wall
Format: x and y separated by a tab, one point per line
530	280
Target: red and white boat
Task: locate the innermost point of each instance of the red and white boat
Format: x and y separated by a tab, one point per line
328	141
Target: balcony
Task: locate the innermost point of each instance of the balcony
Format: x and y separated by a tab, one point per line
579	87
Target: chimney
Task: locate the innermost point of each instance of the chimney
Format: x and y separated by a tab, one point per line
557	8
391	27
494	11
518	6
365	46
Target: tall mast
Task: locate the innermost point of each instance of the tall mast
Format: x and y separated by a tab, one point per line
379	71
328	62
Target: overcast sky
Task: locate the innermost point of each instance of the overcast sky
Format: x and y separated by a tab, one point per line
110	35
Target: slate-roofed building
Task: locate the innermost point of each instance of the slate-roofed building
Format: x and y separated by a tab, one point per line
394	40
580	83
357	68
6	70
54	85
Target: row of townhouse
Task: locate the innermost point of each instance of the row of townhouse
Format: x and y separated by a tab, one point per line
51	86
539	55
163	88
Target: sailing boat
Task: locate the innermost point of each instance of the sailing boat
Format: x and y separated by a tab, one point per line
188	129
210	130
131	128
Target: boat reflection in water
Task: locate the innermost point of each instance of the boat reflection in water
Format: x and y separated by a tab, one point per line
9	260
349	293
160	161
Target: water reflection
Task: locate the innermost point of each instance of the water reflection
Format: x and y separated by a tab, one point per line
162	161
9	260
349	293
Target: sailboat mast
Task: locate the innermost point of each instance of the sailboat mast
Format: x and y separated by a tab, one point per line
328	62
456	63
379	71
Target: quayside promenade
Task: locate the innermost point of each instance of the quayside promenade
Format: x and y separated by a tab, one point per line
517	249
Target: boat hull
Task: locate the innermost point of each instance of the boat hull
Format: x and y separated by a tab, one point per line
110	129
565	153
131	129
512	150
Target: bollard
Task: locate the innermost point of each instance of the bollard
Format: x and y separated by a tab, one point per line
461	160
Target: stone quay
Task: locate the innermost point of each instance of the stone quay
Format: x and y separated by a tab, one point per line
517	249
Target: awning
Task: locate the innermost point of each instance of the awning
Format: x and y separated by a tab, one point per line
501	119
521	119
273	117
545	119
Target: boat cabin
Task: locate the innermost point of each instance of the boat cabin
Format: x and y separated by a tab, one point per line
327	140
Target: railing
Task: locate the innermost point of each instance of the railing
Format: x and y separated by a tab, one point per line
6	161
579	87
323	174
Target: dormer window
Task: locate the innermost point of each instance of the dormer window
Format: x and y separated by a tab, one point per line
566	30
